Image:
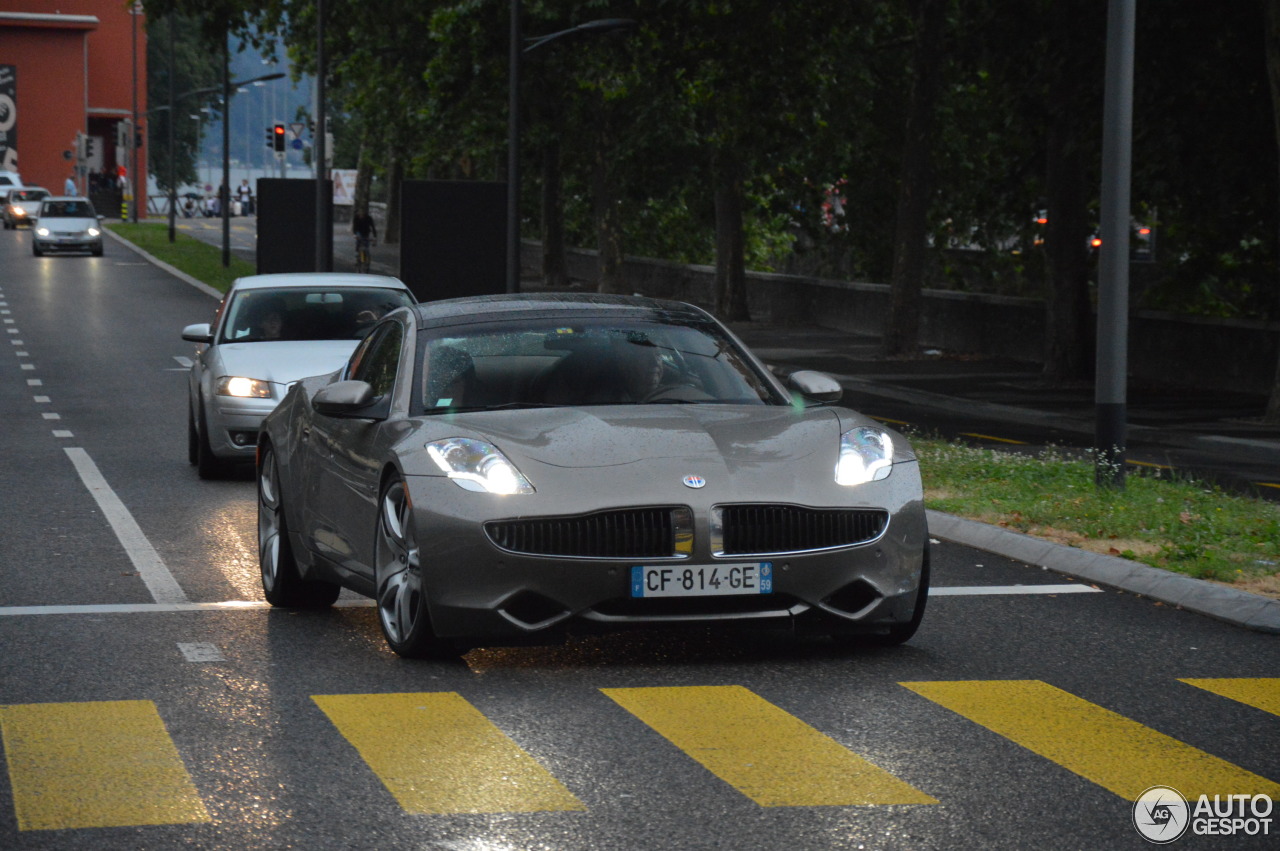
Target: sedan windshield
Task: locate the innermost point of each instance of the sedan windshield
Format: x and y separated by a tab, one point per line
587	362
301	313
66	210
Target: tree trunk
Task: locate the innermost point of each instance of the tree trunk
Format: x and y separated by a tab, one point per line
608	209
1272	414
1068	335
555	272
731	280
915	186
395	174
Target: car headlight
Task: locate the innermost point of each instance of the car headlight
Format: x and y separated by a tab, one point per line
42	231
477	466
242	388
19	212
866	455
94	232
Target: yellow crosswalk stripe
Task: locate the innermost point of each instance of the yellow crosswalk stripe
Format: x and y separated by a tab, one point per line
1106	748
102	764
1261	693
438	755
772	757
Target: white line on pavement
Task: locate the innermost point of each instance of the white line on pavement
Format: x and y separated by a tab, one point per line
159	581
982	590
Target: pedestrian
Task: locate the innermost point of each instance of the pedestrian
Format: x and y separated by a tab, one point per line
245	195
69	188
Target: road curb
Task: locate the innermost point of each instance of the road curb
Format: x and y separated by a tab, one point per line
1241	608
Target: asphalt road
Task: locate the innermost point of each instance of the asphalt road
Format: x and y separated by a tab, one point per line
148	698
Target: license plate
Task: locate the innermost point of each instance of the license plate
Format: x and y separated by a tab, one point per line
702	580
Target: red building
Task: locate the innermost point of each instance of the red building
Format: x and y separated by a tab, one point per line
72	78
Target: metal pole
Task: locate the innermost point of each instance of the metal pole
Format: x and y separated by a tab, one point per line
324	220
224	194
132	142
1113	274
513	152
173	117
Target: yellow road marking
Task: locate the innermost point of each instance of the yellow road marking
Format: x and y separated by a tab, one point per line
102	764
1268	484
1106	748
1262	693
991	437
437	755
1148	464
890	420
765	753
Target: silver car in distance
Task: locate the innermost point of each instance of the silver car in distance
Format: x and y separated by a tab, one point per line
511	469
269	331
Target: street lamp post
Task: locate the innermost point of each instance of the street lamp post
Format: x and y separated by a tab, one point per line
515	51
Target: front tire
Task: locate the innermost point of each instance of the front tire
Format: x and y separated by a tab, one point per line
400	593
282	585
209	466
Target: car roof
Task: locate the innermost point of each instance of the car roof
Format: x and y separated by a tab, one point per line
535	305
283	280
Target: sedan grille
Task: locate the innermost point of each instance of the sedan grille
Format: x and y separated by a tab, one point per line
771	529
663	532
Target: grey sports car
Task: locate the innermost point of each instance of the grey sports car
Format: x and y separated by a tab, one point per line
511	469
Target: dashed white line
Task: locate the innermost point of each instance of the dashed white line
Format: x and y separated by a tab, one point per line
159	581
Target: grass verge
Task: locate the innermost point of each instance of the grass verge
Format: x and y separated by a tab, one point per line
186	253
1171	522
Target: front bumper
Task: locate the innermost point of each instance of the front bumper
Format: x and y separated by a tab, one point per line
233	425
477	591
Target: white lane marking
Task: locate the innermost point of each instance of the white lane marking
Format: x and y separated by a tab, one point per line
159	581
201	651
40	399
185	363
51	416
156	608
35	382
62	432
980	590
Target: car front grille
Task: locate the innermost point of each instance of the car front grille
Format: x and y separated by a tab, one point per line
773	529
660	532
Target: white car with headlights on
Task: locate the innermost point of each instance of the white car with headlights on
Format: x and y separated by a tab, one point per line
268	332
513	469
66	223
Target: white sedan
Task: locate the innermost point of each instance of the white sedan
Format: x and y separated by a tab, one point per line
270	331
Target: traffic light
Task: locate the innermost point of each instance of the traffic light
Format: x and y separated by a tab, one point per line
124	129
277	138
88	147
271	139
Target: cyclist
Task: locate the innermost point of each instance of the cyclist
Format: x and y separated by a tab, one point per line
366	231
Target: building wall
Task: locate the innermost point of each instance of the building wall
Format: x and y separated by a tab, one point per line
75	72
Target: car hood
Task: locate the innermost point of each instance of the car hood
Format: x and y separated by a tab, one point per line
285	361
613	436
66	224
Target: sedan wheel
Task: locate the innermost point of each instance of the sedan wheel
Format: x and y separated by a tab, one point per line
281	583
401	598
209	465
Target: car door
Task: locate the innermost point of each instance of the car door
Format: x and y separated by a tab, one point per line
347	458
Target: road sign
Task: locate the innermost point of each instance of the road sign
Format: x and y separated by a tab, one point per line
296	129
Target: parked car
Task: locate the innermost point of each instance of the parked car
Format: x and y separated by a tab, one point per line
9	180
512	469
268	332
66	223
21	206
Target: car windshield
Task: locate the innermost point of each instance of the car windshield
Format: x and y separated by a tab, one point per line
28	194
302	313
66	210
587	362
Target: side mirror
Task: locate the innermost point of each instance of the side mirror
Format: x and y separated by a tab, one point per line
816	385
198	333
344	399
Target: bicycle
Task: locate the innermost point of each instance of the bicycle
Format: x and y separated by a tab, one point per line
363	244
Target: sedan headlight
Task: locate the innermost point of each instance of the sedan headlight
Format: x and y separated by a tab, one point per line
94	232
242	388
477	466
866	455
42	231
